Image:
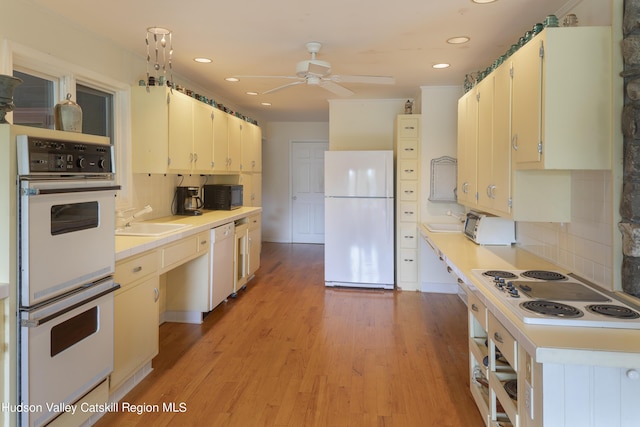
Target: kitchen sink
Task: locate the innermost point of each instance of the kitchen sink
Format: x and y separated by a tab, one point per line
149	229
444	227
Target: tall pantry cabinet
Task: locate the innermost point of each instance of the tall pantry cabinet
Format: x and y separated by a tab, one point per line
407	152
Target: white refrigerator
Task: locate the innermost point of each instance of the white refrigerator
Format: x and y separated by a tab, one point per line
359	219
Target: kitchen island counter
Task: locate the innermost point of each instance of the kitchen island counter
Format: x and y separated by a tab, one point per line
127	246
592	346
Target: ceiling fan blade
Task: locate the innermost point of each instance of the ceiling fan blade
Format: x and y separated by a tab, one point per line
335	88
377	80
283	87
267	77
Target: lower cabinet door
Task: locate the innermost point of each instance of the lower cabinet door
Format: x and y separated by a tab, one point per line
135	329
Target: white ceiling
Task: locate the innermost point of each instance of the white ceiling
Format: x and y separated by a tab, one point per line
364	37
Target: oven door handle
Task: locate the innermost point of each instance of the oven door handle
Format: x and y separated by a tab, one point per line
34	323
42	191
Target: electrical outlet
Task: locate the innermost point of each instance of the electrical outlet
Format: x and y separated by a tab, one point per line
528	399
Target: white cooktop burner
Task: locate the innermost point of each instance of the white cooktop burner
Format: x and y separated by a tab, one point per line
551	298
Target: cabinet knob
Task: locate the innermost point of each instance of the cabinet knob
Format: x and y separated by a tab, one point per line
632	374
156	294
474	307
137	269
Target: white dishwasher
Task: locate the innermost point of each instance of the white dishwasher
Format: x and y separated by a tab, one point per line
221	253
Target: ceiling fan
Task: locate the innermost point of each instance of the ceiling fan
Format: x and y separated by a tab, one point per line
315	72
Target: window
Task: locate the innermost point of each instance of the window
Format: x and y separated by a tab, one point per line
97	111
34	100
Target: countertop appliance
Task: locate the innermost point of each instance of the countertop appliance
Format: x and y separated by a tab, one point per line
543	297
485	229
188	201
66	246
359	219
223	197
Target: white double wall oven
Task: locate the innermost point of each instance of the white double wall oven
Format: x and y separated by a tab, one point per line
66	204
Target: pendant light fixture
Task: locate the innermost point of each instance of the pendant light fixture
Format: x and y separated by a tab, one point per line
159	54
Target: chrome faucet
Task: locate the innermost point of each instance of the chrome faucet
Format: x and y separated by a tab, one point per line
129	219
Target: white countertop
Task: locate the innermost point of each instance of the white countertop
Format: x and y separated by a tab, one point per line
127	246
550	344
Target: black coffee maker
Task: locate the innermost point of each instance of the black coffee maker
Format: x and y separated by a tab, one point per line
188	201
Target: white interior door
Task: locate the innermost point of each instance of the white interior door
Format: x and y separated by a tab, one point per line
307	191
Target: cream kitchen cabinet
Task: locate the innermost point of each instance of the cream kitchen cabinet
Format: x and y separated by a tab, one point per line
234	146
493	154
247	248
240	256
467	186
171	132
254	242
561	103
251	189
407	152
525	144
251	147
493	364
135	316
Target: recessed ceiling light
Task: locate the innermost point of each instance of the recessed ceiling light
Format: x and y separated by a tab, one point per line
251	93
458	40
442	65
483	1
266	104
232	79
203	60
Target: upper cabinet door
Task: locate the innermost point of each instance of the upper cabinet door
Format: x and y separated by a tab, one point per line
180	133
220	140
527	102
202	138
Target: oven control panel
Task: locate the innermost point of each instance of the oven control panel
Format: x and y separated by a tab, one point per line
50	156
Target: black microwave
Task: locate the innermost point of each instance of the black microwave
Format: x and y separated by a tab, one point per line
222	197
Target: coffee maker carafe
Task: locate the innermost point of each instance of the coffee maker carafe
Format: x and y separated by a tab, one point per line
188	201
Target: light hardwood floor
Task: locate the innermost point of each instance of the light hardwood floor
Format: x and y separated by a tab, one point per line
290	352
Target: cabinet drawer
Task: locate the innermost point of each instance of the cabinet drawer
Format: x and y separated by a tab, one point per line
178	252
131	269
503	340
408	212
204	241
408	265
409	190
408	237
408	148
409	170
409	127
255	221
477	309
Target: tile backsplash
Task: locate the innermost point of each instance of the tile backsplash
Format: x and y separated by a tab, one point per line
584	246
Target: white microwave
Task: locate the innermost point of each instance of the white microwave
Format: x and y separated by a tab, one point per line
485	229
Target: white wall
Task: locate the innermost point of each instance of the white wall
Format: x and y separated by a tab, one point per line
276	167
363	124
439	128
